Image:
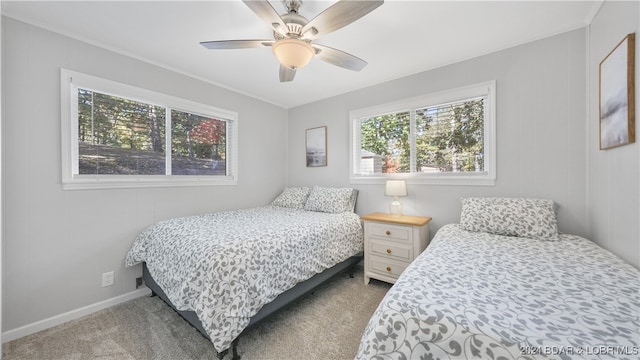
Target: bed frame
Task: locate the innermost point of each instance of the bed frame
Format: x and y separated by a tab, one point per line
278	303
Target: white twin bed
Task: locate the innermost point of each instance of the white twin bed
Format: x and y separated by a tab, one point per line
503	284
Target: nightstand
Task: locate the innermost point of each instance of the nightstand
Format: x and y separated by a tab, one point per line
391	243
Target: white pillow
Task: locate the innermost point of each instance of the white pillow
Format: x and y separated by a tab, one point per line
330	200
530	218
292	197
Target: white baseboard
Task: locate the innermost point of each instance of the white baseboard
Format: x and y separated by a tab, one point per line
71	315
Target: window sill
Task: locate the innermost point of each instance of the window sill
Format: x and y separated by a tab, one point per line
90	183
444	179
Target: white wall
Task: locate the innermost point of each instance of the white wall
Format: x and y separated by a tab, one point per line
614	175
541	131
58	243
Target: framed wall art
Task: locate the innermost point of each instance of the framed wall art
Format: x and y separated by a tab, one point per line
617	95
316	145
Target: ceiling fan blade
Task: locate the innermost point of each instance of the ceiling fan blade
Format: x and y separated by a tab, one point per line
339	58
236	44
286	74
337	16
268	14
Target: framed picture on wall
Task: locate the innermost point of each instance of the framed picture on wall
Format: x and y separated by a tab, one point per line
617	95
316	145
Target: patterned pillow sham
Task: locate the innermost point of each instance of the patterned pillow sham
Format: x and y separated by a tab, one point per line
330	200
530	218
292	197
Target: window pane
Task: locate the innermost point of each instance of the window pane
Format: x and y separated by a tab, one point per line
118	136
198	144
450	137
385	144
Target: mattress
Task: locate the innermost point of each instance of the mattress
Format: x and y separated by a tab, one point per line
226	266
479	295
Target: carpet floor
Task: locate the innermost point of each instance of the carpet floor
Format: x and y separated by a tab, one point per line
325	324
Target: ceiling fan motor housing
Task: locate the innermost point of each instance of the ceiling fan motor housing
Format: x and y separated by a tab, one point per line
295	23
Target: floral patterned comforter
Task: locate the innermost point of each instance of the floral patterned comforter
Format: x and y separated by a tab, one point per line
225	266
477	295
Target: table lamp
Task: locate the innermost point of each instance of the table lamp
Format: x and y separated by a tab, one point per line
395	188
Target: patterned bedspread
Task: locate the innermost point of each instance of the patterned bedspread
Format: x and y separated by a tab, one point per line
225	266
476	295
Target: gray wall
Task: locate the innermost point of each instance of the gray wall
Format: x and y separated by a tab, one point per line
614	175
541	131
1	181
58	243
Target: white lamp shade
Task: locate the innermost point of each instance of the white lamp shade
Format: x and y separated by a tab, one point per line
395	188
293	53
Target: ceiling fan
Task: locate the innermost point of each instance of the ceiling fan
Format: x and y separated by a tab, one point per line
293	34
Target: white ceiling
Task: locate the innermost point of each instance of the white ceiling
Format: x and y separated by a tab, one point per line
399	38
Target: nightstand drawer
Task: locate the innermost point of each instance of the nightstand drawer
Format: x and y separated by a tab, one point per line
387	267
392	232
392	250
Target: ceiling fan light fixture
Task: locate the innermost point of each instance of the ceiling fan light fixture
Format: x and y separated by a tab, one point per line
293	53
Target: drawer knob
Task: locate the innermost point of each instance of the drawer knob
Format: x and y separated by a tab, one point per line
388	268
388	232
388	251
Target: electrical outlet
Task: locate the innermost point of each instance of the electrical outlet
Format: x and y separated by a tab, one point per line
108	279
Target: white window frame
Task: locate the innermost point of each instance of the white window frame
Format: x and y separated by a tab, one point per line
485	178
71	180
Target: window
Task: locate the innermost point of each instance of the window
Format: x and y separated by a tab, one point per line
115	135
444	138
